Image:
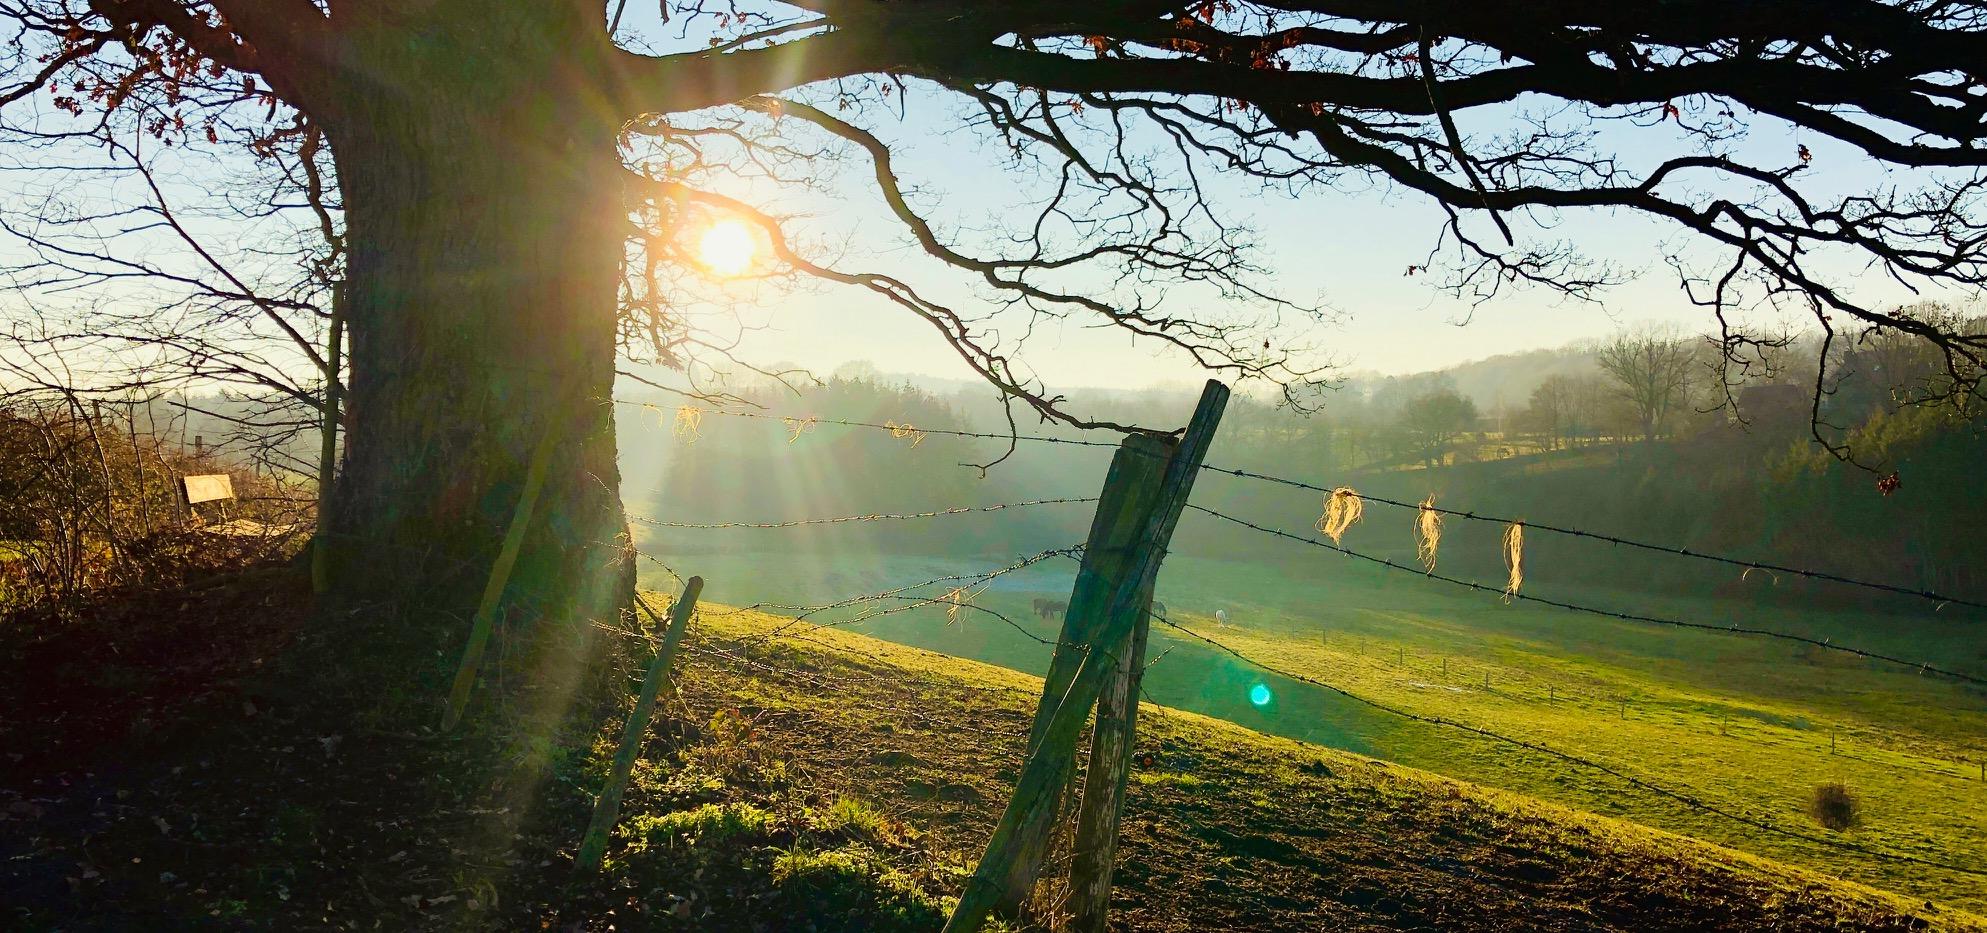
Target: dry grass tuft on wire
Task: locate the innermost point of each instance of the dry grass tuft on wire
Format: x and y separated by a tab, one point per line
905	430
956	599
1343	509
798	426
1427	533
689	423
1514	558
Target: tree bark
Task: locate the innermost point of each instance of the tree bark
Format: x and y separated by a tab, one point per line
484	227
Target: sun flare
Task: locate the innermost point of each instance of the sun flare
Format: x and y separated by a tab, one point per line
727	248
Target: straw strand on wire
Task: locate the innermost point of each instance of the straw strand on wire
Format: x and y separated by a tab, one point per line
1727	560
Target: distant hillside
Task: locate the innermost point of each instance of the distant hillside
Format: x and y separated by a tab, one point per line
1508	379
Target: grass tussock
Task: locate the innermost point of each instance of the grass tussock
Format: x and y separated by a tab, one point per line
1835	807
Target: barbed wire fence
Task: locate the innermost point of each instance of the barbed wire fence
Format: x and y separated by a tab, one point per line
955	594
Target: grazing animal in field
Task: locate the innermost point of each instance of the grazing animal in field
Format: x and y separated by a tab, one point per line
1159	608
1051	608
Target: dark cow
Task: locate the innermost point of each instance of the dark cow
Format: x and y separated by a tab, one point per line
1050	608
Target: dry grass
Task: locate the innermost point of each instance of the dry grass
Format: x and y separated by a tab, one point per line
1514	558
689	423
1343	509
1427	533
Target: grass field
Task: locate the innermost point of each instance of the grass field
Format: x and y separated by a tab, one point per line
225	756
1748	725
1228	828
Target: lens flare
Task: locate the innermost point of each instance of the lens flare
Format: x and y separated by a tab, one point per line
727	248
1259	694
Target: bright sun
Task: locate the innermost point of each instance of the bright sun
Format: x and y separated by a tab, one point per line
726	248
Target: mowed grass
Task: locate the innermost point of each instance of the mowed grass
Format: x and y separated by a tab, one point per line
1748	725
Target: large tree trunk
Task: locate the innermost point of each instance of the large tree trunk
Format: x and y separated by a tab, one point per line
484	223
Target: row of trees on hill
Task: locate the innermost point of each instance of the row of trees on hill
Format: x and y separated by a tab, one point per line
1640	385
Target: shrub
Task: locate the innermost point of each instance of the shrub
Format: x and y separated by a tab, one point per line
1833	806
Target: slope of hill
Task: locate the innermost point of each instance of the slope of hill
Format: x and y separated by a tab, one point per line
192	763
1232	829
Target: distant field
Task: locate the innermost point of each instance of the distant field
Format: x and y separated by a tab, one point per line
1743	723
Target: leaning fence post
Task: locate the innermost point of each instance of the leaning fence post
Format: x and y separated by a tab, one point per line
1014	850
1111	742
1130	488
608	808
500	576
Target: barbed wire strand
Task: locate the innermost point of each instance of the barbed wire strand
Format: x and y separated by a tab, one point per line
1682	797
894	428
1734	628
1648	786
1688	799
873	517
1617	540
1470	515
1073	553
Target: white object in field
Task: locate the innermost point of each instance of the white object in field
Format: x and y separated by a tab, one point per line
1221	617
209	487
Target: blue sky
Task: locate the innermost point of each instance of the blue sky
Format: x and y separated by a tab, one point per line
1350	243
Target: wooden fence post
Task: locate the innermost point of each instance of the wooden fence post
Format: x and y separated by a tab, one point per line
608	808
1103	806
500	576
327	453
1113	594
1130	489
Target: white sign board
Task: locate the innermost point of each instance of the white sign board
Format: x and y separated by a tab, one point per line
210	487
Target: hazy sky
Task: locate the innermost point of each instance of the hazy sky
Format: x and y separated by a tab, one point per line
1351	244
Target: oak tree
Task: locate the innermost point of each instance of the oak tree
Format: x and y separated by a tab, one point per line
511	177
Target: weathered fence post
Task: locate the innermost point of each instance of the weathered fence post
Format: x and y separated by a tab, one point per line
327	453
1103	805
500	576
1130	488
1113	592
608	808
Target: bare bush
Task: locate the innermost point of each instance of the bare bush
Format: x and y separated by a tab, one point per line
87	503
1834	806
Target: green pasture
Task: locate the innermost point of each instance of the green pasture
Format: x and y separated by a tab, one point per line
1745	724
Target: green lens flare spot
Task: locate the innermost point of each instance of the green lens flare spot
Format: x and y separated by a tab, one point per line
1259	694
